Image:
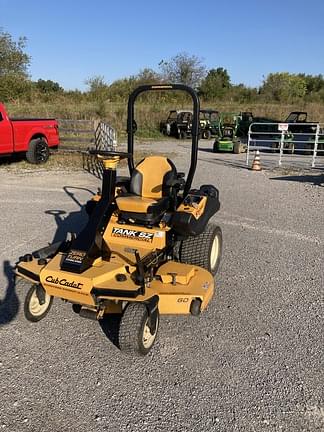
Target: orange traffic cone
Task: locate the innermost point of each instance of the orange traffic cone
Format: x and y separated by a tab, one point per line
256	164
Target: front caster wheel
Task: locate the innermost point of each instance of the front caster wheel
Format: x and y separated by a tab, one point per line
37	303
138	329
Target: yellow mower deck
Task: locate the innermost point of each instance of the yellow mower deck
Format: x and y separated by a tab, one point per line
177	284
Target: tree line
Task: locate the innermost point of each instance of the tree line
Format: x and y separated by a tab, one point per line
212	85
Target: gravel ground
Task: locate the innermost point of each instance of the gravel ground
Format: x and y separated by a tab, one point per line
252	362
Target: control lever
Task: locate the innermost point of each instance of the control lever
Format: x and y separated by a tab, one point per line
140	274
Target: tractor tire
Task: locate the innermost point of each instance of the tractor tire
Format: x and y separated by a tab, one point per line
289	148
215	147
203	250
33	309
206	134
135	336
38	151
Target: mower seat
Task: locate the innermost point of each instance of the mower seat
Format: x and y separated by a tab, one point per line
150	193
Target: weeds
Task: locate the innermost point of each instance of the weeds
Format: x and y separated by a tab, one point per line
149	116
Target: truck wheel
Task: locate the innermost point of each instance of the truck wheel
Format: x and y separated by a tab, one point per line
206	134
38	151
203	250
136	336
37	303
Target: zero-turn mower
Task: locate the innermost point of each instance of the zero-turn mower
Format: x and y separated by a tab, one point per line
148	248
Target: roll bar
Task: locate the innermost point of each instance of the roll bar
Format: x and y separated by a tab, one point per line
195	124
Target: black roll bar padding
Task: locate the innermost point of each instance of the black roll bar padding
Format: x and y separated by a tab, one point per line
195	125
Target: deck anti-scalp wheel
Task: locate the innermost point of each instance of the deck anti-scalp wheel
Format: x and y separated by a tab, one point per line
203	250
37	303
137	332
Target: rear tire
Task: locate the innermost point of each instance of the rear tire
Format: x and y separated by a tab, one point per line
203	250
215	147
135	336
38	151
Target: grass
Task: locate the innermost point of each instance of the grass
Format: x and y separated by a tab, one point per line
57	161
66	161
148	116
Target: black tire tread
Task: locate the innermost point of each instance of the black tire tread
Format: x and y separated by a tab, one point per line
130	329
206	134
195	249
31	152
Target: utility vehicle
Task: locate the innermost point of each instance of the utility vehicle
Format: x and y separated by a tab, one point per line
209	123
178	124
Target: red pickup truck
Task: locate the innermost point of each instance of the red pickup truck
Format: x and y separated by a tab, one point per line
33	137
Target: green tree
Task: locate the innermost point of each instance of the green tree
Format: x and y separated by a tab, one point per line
98	92
121	88
183	68
283	87
13	59
242	94
313	83
14	63
97	88
147	76
216	84
48	86
12	88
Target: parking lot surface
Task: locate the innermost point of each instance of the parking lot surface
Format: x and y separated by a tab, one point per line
252	362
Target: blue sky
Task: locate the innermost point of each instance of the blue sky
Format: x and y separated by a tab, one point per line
70	41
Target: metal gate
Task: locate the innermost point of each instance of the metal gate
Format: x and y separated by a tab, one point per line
105	139
287	138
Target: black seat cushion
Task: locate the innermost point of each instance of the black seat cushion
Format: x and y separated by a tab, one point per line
154	210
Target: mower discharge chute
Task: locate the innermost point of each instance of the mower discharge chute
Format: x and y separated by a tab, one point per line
147	249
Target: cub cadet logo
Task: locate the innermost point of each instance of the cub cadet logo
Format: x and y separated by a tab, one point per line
132	234
63	282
